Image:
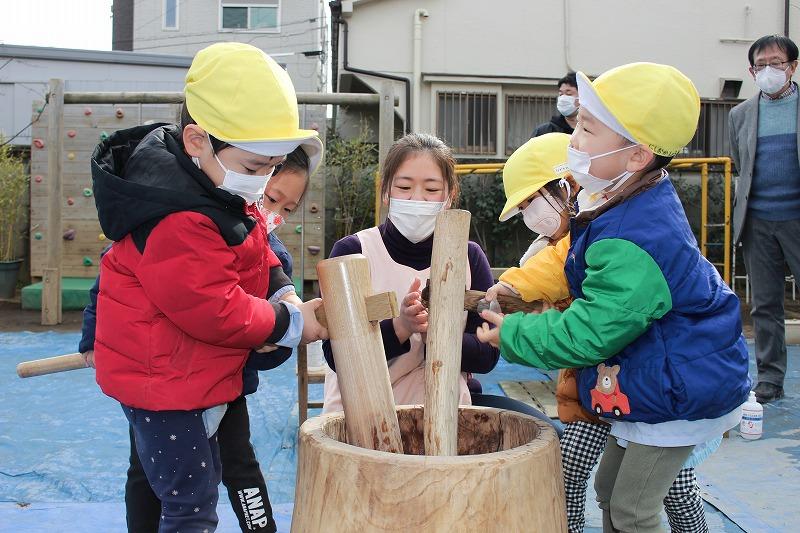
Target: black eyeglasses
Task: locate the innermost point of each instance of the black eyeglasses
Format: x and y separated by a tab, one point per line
277	168
775	64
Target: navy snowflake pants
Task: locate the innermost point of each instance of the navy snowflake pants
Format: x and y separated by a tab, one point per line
182	465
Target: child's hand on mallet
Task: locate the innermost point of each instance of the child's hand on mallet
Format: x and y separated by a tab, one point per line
497	289
488	334
312	329
88	358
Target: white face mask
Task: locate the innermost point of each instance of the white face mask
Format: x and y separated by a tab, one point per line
541	217
415	220
771	79
249	187
579	164
566	105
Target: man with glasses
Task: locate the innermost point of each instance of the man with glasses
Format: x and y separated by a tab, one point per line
766	212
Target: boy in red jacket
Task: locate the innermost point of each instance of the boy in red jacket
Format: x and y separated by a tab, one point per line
181	300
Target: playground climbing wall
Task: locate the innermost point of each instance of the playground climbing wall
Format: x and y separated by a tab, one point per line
84	127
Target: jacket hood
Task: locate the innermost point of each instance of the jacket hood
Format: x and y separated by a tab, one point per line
140	175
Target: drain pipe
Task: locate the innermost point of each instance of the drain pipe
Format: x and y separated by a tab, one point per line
786	7
337	20
419	14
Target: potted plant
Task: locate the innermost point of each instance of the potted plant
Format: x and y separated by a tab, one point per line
13	185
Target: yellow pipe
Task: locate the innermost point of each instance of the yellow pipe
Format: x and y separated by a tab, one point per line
702	162
377	198
727	261
703	208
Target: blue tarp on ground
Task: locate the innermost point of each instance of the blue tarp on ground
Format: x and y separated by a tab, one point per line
64	446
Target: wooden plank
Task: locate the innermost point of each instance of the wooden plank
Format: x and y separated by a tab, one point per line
51	291
379	307
302	383
445	332
538	394
385	130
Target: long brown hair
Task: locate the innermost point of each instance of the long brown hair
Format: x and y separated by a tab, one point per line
414	143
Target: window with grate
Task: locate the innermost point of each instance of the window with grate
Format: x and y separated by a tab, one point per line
711	138
523	113
467	122
249	16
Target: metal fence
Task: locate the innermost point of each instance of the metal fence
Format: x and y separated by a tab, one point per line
711	139
467	122
523	113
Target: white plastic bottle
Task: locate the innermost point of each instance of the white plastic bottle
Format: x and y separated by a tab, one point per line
752	422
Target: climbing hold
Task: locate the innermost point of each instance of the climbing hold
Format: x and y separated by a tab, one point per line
119	112
298	228
38	143
87	192
87	261
38	179
70	201
37	236
101	237
314	126
313	208
69	235
103	136
71	133
87	111
313	250
40	109
71	156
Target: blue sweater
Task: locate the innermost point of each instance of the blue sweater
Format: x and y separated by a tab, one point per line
255	362
775	190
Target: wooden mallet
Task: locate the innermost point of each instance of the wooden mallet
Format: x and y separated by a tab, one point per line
378	305
51	365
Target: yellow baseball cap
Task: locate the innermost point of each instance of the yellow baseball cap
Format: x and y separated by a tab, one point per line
647	103
240	95
534	164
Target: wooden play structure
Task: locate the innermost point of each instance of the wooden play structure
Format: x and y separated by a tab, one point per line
437	467
65	235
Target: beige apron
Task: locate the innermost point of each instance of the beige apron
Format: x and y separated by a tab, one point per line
407	371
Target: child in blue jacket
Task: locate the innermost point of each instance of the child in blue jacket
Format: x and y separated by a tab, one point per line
655	331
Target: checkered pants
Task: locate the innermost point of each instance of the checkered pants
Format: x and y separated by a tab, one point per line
581	446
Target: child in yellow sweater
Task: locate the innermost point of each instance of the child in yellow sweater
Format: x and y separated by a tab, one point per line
537	184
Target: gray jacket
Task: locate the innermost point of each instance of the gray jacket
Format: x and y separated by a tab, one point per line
743	131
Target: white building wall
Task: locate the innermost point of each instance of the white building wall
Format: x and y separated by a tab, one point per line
25	80
525	46
302	29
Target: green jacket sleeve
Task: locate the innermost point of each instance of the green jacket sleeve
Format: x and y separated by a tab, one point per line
624	292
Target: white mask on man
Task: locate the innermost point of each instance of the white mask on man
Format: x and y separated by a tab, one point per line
567	105
771	79
415	220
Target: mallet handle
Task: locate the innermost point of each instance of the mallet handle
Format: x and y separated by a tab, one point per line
51	365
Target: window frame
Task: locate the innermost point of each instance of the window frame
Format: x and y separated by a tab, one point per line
164	26
494	90
274	3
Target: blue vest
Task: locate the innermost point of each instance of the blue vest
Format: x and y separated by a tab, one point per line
692	363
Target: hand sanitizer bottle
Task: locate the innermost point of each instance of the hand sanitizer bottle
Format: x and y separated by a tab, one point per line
751	425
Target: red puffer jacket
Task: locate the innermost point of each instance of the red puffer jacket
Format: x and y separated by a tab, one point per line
181	305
